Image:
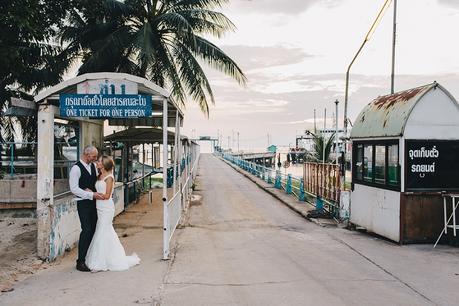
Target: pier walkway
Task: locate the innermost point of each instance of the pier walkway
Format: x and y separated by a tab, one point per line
239	245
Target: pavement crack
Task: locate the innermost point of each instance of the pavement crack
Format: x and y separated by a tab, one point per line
235	284
382	268
172	257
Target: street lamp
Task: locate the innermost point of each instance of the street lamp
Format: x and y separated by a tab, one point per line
367	38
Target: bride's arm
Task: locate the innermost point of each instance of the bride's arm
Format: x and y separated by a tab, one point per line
108	192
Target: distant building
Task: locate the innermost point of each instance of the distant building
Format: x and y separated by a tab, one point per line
272	149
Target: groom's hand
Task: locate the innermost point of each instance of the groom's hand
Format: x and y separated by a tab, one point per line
98	196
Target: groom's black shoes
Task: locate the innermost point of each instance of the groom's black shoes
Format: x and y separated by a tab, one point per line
81	266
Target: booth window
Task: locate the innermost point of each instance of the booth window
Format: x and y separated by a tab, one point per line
380	164
376	163
359	163
368	163
393	169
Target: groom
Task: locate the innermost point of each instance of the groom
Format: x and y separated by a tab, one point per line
82	178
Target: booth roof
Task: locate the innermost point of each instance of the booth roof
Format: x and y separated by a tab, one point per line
386	116
142	135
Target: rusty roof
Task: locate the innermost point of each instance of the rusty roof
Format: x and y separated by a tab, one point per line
386	116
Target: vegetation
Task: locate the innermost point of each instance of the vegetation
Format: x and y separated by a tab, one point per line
319	154
29	59
161	40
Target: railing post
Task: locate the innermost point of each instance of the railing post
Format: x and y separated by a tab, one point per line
135	192
288	187
278	183
269	179
11	159
302	196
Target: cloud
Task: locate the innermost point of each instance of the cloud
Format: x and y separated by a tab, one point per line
256	113
292	7
450	3
256	57
309	121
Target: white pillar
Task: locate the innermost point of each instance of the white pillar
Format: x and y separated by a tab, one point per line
45	177
176	150
179	159
166	228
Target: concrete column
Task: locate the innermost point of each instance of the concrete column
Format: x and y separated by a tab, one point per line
45	178
166	233
176	150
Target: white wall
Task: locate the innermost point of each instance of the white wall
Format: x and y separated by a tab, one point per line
435	116
378	210
65	223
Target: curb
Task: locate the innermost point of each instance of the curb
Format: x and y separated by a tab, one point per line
302	212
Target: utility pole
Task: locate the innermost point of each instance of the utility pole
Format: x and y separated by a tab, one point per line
228	142
218	137
336	131
394	39
238	142
323	135
315	126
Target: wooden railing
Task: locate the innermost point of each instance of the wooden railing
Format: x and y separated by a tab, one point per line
323	180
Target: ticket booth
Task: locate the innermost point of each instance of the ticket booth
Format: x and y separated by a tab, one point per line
87	102
405	157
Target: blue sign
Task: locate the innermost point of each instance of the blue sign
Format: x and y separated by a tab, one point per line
105	106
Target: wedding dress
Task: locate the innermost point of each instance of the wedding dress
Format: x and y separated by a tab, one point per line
106	252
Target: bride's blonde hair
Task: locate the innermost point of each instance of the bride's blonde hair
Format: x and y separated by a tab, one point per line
107	162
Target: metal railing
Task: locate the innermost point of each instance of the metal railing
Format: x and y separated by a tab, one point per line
18	158
287	182
176	205
138	186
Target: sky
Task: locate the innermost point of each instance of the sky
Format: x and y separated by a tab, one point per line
295	54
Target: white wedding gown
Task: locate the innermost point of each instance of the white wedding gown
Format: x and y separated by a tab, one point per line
106	252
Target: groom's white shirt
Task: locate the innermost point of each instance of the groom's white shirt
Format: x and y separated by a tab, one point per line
74	177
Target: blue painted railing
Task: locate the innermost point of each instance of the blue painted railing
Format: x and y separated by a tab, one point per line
291	184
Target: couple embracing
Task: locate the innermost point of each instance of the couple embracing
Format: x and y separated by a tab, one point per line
99	248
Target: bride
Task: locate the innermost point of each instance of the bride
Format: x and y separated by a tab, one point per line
106	252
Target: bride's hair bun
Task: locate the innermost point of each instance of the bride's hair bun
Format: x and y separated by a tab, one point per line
107	162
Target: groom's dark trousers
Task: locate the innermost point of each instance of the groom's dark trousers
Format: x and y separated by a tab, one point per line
86	211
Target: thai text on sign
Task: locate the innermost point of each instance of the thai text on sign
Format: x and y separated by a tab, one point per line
105	106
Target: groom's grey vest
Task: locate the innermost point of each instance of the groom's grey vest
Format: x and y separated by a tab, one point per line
87	180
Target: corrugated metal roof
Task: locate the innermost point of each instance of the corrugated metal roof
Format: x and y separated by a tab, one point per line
386	116
140	135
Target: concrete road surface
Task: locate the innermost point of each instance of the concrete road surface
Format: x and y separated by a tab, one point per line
243	247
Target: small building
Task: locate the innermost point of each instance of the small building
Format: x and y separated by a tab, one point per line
404	157
272	149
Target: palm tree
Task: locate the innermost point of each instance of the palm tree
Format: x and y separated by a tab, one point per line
319	154
29	60
161	40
